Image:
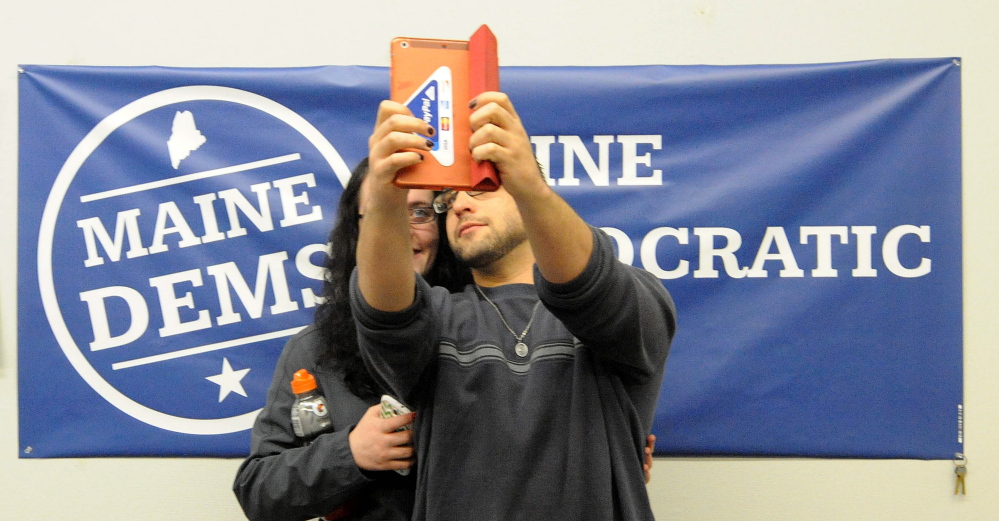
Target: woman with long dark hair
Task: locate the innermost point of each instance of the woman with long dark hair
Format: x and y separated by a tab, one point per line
347	472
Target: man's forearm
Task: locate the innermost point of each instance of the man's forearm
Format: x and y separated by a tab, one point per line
385	274
384	249
562	242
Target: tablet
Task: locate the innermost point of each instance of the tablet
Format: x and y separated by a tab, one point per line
436	79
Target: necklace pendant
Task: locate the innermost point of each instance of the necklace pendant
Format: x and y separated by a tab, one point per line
520	349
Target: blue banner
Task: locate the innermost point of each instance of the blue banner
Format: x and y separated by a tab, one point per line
805	218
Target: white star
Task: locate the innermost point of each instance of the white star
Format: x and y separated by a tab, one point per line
228	380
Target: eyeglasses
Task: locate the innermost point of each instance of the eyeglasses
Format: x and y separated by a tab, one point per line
445	199
421	215
417	214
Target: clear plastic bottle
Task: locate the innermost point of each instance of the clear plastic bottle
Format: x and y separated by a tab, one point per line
309	414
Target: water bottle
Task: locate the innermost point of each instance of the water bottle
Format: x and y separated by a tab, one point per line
309	414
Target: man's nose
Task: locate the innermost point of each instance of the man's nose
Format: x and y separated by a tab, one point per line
462	203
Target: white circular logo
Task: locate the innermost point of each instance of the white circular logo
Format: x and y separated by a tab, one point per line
54	204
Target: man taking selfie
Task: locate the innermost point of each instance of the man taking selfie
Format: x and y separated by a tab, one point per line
535	387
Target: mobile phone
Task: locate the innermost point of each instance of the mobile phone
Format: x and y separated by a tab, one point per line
391	407
436	79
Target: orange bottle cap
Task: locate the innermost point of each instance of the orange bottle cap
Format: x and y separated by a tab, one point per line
302	382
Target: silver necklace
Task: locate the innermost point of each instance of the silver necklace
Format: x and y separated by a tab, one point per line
521	347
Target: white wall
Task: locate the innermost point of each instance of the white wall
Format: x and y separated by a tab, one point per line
255	33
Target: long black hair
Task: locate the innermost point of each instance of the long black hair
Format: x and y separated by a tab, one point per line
334	320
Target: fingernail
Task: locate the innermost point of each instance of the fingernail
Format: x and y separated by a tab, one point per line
430	131
430	143
421	156
471	104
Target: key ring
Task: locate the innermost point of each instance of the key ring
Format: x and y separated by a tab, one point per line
960	459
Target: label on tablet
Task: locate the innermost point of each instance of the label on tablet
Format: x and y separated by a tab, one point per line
432	102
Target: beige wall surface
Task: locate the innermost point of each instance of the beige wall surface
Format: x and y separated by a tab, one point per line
254	33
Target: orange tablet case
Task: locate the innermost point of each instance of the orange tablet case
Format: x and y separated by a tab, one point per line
436	79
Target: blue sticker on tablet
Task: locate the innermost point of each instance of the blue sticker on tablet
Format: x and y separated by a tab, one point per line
432	103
